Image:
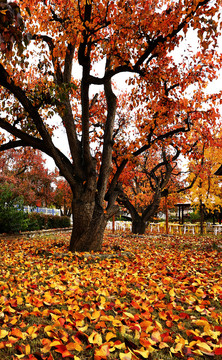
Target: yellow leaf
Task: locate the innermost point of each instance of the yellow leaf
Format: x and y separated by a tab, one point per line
103	292
123	330
158	324
127	356
19	300
83	328
199	292
129	315
107	318
32	332
213	334
110	335
13	321
54	317
95	338
144	353
80	323
181	340
197	352
95	315
197	308
204	347
172	292
27	349
48	329
120	346
163	345
12	339
102	300
3	333
177	348
55	343
117	322
9	309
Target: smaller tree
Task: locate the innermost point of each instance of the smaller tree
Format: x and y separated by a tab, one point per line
145	182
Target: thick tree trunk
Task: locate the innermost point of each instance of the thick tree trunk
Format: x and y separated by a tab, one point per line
138	226
89	224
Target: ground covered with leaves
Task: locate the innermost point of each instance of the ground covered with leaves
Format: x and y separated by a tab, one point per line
151	298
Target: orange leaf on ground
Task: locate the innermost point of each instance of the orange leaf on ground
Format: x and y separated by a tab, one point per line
63	351
16	332
102	352
74	346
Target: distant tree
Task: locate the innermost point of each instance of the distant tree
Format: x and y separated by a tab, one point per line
63	196
145	182
26	172
206	194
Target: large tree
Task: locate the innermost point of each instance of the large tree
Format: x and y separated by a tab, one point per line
105	38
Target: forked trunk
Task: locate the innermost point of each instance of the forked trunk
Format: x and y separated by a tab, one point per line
89	225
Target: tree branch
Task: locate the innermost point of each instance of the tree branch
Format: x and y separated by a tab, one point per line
108	142
28	140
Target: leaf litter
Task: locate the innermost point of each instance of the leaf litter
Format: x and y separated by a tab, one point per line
139	298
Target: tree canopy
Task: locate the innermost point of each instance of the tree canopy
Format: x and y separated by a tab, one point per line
106	39
207	188
28	176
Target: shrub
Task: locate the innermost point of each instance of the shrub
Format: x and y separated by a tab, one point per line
58	221
12	217
41	221
35	222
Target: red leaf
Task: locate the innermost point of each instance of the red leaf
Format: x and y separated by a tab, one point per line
218	351
184	315
63	350
62	321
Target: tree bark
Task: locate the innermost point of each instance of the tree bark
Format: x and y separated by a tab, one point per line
89	223
138	226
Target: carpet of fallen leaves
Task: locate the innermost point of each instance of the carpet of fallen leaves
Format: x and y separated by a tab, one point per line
140	298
